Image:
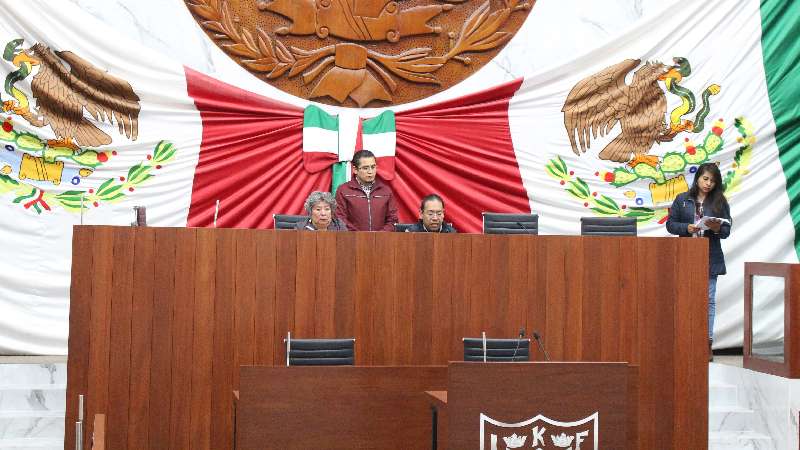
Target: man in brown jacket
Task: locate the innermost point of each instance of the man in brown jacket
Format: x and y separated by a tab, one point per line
366	203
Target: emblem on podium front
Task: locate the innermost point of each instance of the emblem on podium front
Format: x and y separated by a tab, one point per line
540	433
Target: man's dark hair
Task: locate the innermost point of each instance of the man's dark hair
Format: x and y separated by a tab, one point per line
361	154
428	198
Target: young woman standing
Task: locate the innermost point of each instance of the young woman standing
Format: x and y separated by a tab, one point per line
704	199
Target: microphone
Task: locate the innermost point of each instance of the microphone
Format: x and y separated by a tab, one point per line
519	338
522	225
216	213
541	347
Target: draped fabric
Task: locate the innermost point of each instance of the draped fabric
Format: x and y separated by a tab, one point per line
781	52
502	146
251	157
462	150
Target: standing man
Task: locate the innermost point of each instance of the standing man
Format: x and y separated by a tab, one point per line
431	217
366	203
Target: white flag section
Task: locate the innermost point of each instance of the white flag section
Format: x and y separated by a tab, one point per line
136	136
37	218
721	42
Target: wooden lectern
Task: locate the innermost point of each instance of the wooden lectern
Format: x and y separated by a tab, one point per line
533	405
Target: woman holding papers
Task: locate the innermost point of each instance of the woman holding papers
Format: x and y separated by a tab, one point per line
703	211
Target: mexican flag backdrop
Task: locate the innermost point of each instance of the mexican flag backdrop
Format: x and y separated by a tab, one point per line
87	132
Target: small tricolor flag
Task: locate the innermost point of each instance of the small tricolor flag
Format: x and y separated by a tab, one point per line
320	139
379	135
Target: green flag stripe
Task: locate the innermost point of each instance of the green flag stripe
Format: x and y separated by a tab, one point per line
382	123
339	175
780	29
314	117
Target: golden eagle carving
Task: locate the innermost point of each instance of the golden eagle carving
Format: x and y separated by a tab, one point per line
64	92
597	103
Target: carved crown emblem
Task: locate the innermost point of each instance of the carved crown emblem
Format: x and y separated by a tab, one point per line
361	52
515	441
562	440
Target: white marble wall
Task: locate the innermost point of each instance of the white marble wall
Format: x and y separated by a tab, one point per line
32	405
768	404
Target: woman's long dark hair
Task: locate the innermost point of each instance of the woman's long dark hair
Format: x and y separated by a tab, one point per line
715	200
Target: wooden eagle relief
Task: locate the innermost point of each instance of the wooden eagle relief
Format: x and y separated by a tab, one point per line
361	52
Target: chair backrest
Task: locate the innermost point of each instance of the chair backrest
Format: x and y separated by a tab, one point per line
401	227
608	226
287	221
320	352
497	350
503	223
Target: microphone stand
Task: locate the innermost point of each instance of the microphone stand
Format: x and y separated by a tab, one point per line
483	338
519	338
541	347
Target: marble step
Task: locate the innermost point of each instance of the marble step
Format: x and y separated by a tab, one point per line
730	418
26	424
739	440
720	394
33	374
32	444
33	397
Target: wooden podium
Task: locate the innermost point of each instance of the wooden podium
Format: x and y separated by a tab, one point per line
161	319
498	405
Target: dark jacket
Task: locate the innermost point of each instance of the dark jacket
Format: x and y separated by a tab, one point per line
336	225
378	212
681	215
420	228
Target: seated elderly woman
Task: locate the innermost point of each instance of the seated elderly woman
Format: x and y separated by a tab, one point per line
320	207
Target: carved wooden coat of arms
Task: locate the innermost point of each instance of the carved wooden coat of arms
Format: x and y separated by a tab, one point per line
361	52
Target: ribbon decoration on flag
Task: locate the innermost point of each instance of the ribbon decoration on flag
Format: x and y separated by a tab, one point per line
322	143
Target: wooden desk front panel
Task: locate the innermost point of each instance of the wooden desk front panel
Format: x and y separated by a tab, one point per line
161	318
517	392
336	408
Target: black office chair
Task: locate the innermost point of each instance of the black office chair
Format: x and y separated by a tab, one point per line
503	223
287	221
402	227
319	352
608	226
497	350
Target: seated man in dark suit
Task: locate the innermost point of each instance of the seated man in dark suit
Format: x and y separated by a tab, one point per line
431	217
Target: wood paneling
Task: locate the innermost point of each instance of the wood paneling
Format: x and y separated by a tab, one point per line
119	359
79	317
144	267
336	408
162	318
